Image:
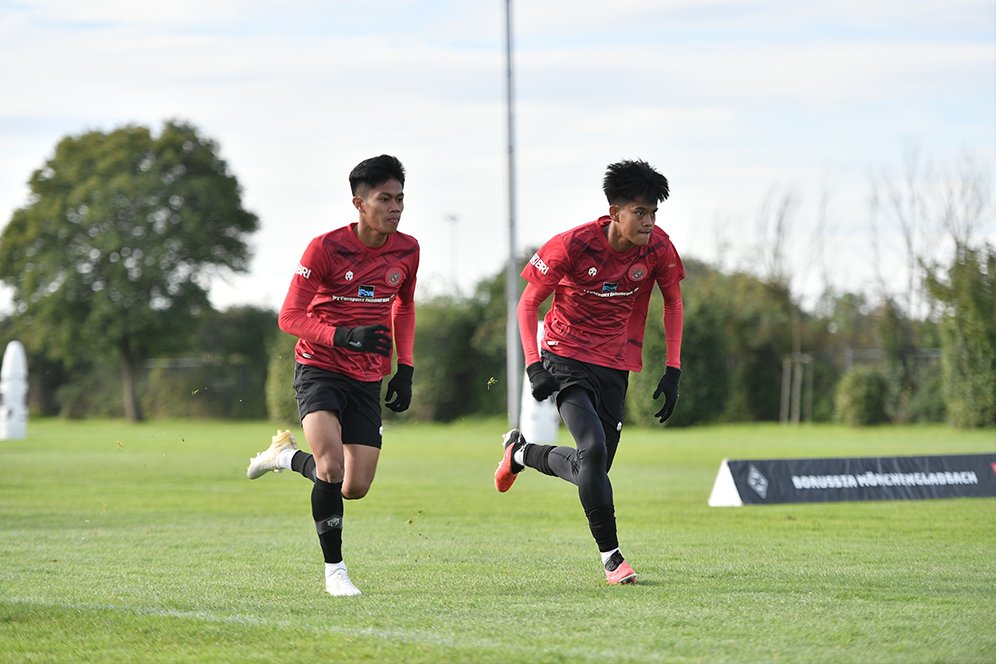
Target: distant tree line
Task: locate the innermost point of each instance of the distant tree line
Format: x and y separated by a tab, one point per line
110	259
869	363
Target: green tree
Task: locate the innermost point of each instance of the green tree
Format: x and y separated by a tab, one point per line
281	403
224	374
111	257
447	379
860	397
968	336
705	356
457	379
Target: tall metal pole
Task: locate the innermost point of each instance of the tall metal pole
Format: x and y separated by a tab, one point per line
513	361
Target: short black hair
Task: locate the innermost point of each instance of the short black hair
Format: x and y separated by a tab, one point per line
374	171
627	181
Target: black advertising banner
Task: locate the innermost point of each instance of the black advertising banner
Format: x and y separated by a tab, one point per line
762	482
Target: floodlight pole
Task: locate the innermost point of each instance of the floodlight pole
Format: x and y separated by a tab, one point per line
513	361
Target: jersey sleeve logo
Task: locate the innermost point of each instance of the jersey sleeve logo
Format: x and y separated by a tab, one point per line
538	263
303	271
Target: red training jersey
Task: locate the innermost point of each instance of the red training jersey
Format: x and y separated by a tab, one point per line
601	296
341	281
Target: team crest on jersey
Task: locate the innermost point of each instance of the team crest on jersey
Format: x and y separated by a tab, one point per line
638	272
349	275
365	291
394	276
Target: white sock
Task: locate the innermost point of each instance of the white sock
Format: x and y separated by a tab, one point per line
332	567
607	554
519	456
284	458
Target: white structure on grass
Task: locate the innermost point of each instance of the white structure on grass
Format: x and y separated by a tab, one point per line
539	421
14	393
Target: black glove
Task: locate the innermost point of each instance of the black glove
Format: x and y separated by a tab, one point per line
365	338
541	381
399	389
668	386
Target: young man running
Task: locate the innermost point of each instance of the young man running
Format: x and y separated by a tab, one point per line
601	275
352	286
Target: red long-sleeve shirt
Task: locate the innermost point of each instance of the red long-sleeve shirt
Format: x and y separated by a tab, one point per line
601	297
340	281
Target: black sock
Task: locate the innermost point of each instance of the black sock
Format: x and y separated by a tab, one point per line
535	457
304	463
326	508
602	522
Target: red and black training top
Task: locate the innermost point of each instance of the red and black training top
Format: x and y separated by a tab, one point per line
601	296
341	281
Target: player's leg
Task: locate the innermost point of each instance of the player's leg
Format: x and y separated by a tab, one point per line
324	434
362	431
360	468
587	466
557	461
596	446
554	460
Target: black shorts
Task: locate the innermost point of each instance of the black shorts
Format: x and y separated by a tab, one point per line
607	387
355	403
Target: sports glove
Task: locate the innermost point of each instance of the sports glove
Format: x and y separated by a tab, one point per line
399	389
365	338
541	381
668	386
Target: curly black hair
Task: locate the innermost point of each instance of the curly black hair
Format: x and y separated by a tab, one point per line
627	181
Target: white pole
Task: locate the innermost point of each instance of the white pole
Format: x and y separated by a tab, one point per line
513	353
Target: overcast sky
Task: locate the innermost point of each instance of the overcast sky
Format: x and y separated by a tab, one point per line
736	102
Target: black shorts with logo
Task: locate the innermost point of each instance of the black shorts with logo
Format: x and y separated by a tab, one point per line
607	387
355	403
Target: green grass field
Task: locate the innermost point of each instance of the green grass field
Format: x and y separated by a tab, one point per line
147	543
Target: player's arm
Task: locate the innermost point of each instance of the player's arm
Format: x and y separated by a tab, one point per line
399	389
403	320
673	322
543	384
294	318
527	314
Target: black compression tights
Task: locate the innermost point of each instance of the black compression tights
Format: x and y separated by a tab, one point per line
587	466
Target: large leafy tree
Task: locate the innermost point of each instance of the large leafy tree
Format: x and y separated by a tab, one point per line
111	257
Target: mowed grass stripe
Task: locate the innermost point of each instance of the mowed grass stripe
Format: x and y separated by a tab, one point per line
360	632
